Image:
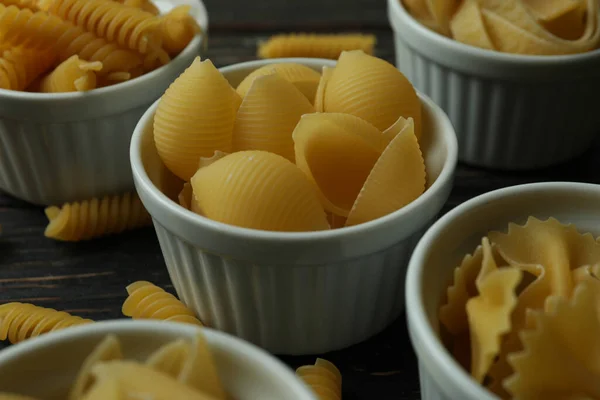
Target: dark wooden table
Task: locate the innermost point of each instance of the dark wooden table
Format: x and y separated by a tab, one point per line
89	278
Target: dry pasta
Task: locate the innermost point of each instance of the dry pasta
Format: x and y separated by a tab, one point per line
145	5
30	4
19	68
177	28
96	217
148	301
21	321
315	45
72	75
323	378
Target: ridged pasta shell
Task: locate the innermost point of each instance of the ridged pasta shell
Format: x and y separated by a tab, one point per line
258	190
268	115
194	118
304	78
320	95
336	157
397	179
371	89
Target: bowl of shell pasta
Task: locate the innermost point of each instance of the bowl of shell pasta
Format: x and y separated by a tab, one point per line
75	77
159	360
502	295
287	194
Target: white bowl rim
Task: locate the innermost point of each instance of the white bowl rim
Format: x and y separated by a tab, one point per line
447	134
37	97
437	358
232	344
490	55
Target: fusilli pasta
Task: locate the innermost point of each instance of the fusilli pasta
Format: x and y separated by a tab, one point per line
148	301
21	321
323	378
96	217
177	29
30	4
314	45
19	68
72	75
145	5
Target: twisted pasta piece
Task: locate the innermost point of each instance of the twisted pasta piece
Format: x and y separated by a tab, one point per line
30	4
177	29
145	5
21	321
128	26
19	68
323	378
38	30
314	45
95	218
72	75
148	301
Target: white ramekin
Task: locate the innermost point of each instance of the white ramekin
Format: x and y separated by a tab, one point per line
52	361
62	147
510	112
458	233
293	293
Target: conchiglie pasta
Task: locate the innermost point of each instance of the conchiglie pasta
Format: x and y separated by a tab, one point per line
194	118
268	115
304	78
315	45
372	89
258	190
320	94
72	75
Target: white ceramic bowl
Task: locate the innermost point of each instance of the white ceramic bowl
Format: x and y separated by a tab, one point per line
510	112
458	233
63	147
52	361
293	293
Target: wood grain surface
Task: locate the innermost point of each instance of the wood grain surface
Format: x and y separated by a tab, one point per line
89	278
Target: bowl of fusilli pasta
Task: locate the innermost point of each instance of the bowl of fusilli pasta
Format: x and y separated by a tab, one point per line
75	77
144	359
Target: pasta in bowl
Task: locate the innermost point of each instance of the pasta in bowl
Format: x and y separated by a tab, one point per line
258	283
72	88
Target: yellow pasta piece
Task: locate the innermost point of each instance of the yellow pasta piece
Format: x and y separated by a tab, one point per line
268	115
19	67
145	5
30	4
467	26
194	118
96	217
258	190
177	29
108	349
320	94
200	371
108	389
323	378
562	351
128	26
170	358
72	75
21	321
315	45
441	11
11	396
372	89
148	301
397	179
563	18
304	78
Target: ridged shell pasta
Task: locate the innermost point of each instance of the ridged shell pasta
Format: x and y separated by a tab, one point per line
148	301
72	75
324	379
21	321
258	190
96	217
372	89
304	78
315	45
320	94
194	118
268	115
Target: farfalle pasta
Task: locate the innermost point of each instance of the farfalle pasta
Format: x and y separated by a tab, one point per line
315	45
291	149
129	38
180	369
323	378
522	314
534	27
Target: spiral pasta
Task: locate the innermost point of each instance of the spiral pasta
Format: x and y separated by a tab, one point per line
96	217
21	321
314	45
19	68
72	75
145	5
128	26
30	4
177	29
148	301
323	378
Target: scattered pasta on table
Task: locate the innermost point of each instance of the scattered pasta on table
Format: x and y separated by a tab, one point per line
315	45
324	378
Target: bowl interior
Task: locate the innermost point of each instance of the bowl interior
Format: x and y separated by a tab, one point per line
52	361
460	231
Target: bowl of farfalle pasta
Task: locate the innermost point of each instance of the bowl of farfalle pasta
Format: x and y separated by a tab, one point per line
75	77
287	194
518	78
503	296
158	360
